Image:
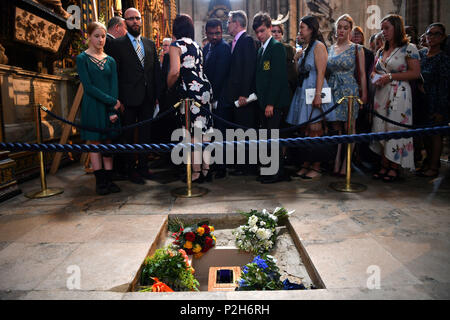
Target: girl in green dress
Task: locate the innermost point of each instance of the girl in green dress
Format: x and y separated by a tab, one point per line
100	108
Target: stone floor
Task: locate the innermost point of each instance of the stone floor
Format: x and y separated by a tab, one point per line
399	231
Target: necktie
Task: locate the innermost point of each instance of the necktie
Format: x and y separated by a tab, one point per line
233	45
208	54
139	52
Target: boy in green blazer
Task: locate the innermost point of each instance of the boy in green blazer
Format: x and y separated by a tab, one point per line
272	87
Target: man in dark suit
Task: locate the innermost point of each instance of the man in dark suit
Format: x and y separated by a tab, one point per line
116	29
241	78
272	87
139	74
217	56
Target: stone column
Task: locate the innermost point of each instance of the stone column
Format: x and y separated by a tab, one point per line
293	20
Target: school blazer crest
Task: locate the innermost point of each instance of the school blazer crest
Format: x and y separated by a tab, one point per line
272	85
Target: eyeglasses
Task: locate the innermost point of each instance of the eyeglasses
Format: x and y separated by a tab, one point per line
433	34
133	18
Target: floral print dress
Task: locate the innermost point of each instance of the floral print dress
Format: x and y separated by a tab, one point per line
342	79
194	84
394	101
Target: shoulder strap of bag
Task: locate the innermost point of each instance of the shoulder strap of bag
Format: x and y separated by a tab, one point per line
324	122
358	76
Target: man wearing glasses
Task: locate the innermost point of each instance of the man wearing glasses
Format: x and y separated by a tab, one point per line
139	73
217	55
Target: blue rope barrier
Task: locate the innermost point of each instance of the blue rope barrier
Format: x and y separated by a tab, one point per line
284	130
402	125
108	130
288	142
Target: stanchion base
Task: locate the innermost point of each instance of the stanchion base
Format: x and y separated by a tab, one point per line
183	192
343	187
44	193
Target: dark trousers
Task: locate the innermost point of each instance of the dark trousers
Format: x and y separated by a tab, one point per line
226	113
273	123
246	116
131	116
120	159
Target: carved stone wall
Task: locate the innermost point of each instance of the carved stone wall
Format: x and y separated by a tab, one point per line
36	31
20	90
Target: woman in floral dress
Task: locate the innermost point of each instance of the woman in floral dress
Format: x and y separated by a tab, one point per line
186	63
398	63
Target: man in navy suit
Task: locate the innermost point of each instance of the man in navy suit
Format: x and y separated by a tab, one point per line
241	78
139	74
217	57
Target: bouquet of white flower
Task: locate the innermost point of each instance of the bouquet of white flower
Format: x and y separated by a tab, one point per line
259	234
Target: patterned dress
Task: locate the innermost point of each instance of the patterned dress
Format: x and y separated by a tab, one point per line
394	101
436	74
300	112
194	84
342	80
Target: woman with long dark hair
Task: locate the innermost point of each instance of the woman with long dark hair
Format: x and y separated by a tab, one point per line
186	63
435	68
311	71
397	64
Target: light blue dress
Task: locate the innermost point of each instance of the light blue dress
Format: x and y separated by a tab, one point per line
300	112
342	80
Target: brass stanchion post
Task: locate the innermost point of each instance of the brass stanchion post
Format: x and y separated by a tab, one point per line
44	192
348	186
189	192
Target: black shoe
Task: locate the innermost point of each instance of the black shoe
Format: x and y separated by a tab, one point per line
199	180
136	178
112	187
208	177
101	183
238	173
220	174
273	179
145	174
117	176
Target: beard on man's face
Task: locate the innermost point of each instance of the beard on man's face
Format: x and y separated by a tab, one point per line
134	32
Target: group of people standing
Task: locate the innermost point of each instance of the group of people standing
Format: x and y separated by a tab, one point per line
123	83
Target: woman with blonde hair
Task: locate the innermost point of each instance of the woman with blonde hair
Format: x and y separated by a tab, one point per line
397	64
100	107
344	60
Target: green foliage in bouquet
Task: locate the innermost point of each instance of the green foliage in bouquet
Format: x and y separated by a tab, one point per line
259	234
171	267
261	274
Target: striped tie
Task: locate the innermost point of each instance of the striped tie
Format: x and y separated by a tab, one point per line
139	52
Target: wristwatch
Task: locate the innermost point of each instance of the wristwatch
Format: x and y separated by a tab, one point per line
390	76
